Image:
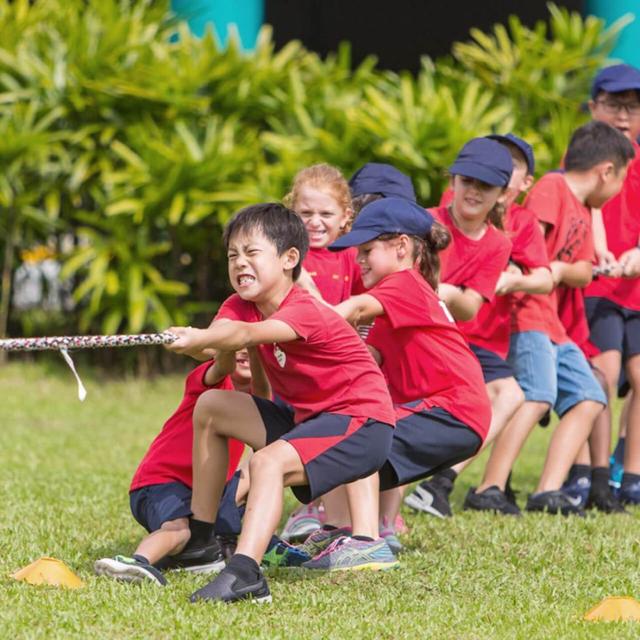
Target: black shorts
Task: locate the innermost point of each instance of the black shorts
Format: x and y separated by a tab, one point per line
424	442
493	366
612	327
335	449
156	504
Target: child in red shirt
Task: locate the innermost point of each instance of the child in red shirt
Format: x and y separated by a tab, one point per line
488	334
160	493
342	423
442	408
613	299
551	369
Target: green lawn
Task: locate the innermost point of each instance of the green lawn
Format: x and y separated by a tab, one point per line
65	469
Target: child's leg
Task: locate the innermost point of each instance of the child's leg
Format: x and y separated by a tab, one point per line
390	501
168	540
271	469
632	442
336	508
507	446
363	497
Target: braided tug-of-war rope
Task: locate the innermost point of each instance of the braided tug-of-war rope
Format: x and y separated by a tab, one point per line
64	343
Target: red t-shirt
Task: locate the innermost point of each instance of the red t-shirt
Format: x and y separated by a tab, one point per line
621	217
328	369
491	328
424	354
569	238
335	273
169	458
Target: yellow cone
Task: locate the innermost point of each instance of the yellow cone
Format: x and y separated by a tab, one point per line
49	571
615	608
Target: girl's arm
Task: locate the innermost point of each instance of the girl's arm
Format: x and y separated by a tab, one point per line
359	309
463	304
538	280
572	274
259	382
224	365
231	335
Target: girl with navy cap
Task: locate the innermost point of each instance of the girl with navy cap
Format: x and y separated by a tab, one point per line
442	408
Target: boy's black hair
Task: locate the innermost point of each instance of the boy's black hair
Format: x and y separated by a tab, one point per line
279	225
597	142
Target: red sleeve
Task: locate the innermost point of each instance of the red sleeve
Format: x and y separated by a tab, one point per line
545	200
529	248
235	308
401	310
301	315
496	258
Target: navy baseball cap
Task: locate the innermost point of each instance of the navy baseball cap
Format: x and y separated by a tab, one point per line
485	160
387	215
615	79
385	179
521	144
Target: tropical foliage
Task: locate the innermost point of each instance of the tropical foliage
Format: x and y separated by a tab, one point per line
131	141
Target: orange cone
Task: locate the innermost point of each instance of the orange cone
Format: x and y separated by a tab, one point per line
615	608
49	571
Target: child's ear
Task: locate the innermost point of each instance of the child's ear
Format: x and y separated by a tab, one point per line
403	246
527	183
348	215
290	258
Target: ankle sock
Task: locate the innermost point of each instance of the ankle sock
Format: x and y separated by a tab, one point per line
600	479
579	471
201	532
244	567
363	538
629	479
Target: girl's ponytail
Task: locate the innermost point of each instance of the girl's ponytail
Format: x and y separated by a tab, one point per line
435	241
496	216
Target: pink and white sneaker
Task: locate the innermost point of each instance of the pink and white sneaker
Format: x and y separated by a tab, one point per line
302	523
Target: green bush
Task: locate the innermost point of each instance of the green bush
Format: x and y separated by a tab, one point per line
122	131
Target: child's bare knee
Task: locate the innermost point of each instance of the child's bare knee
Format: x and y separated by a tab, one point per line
207	409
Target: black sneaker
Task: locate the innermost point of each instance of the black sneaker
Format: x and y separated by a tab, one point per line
228	587
228	544
491	499
554	502
128	569
430	497
605	502
196	558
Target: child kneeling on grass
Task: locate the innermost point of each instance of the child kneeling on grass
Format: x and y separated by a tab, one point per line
160	493
341	428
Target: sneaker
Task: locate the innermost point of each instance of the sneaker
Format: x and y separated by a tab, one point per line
129	570
605	502
228	543
196	558
228	587
301	524
430	497
579	489
283	554
491	499
388	534
320	539
630	493
554	502
346	553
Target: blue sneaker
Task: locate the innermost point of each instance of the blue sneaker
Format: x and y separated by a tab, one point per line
346	554
283	554
578	489
630	493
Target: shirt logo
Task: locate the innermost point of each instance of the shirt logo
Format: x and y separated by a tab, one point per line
280	355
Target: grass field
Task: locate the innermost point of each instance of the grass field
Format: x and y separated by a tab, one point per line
65	468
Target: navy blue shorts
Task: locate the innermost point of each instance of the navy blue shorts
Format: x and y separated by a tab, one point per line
612	327
425	442
156	504
493	366
335	449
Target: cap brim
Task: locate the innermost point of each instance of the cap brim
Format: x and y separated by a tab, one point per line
618	86
484	174
353	239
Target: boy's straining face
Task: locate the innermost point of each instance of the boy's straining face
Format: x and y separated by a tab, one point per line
619	110
474	199
322	215
256	271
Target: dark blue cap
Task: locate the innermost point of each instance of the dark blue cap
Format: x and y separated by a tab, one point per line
388	215
375	177
485	160
522	145
615	79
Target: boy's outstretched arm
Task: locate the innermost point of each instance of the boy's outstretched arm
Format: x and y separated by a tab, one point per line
259	383
572	274
224	365
229	336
